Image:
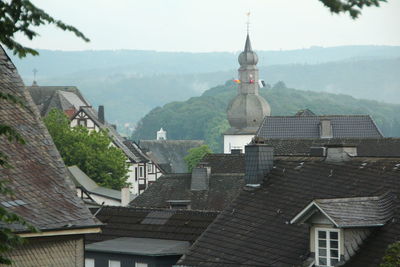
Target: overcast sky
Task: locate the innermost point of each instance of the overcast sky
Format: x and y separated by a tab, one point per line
213	25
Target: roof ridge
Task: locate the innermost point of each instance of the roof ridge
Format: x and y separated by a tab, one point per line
313	116
160	209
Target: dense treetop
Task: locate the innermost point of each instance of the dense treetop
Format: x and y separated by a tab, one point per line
90	151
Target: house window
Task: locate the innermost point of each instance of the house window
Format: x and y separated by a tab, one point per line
150	168
114	263
136	174
82	122
141	171
140	264
327	244
89	262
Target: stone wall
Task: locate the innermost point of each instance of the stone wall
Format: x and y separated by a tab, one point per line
58	251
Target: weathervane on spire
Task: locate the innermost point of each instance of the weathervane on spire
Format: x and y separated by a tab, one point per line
248	21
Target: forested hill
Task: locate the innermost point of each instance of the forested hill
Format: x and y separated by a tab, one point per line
204	117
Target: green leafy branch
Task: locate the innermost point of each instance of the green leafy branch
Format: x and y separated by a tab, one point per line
353	7
20	16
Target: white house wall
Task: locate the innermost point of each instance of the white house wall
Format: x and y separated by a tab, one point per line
236	142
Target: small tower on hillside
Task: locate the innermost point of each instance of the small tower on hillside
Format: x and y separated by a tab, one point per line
247	110
161	134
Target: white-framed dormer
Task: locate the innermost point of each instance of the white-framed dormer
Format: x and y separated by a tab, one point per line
339	226
327	245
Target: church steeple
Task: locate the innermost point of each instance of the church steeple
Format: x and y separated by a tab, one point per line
247	109
247	46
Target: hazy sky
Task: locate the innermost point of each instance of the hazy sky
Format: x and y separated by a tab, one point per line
213	25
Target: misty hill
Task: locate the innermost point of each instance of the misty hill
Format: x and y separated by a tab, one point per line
128	97
204	117
131	83
60	63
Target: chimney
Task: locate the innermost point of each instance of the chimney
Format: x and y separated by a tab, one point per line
125	196
325	129
100	114
317	151
340	153
200	178
259	159
236	151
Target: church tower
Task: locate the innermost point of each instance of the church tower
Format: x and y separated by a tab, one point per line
248	109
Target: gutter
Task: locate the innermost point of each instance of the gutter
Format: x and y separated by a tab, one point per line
90	229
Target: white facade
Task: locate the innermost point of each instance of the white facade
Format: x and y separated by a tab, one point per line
161	134
236	142
81	119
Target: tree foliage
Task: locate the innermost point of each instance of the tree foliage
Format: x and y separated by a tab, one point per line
392	256
91	151
195	155
20	16
353	7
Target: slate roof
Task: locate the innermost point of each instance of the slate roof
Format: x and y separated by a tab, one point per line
184	225
353	212
344	126
171	152
224	163
83	181
255	229
43	194
140	246
366	147
60	97
130	149
223	188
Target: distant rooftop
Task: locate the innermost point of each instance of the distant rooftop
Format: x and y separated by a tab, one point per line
170	152
183	225
222	189
308	126
140	246
59	97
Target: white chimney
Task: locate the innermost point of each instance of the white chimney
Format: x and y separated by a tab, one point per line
325	129
161	134
125	196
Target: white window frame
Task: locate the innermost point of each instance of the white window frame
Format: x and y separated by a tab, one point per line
115	261
328	245
150	168
90	261
141	171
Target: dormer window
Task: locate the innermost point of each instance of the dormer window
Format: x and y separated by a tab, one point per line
327	243
336	231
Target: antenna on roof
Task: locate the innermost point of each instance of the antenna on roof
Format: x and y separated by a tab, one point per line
35	71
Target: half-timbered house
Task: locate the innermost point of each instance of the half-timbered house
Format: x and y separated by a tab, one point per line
143	171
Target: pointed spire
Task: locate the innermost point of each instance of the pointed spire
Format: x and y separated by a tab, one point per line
247	46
